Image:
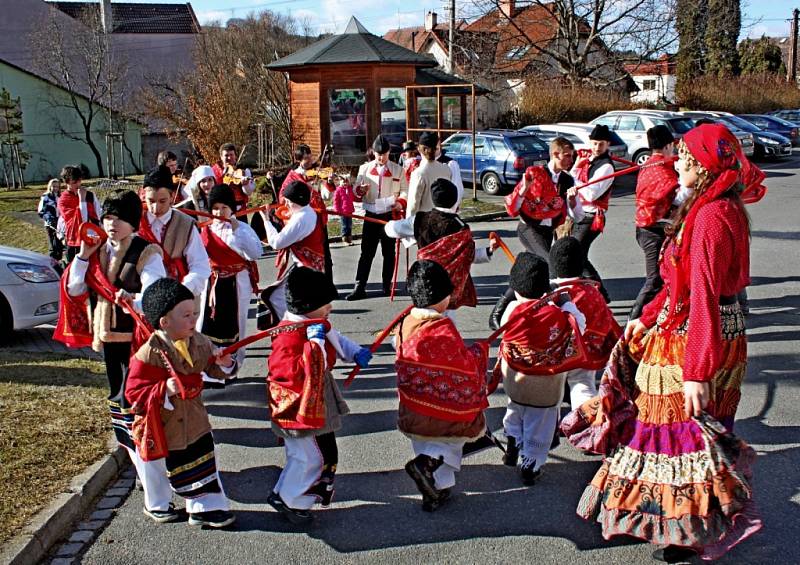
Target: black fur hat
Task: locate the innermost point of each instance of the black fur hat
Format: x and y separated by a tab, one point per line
307	290
222	194
161	297
530	276
428	283
298	192
125	205
444	193
566	258
658	137
160	177
600	133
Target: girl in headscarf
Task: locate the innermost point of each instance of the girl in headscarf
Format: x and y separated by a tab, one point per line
671	483
194	195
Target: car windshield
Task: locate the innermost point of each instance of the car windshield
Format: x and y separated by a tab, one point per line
781	121
740	123
678	125
526	144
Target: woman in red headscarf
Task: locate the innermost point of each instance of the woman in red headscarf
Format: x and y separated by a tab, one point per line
670	484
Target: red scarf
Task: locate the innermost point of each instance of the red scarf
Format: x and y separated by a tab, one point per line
655	190
413	164
176	267
541	201
439	376
455	252
70	210
224	260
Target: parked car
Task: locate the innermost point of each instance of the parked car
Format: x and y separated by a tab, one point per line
501	156
788	115
746	139
774	124
578	134
29	290
632	126
767	144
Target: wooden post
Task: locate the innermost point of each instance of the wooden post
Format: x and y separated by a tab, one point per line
474	165
793	54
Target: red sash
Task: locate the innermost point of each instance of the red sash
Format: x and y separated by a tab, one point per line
455	252
541	201
145	388
176	267
439	376
296	379
602	330
224	260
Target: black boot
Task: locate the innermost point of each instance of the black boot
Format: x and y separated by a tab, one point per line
421	469
323	488
674	554
529	476
500	308
511	455
359	292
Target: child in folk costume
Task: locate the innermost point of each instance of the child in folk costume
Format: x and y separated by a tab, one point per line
442	236
130	264
171	426
233	248
76	205
299	241
441	383
540	343
600	330
194	195
174	232
305	403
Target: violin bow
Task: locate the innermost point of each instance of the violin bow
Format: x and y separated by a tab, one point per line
180	181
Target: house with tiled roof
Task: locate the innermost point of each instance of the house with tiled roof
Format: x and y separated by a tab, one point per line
655	80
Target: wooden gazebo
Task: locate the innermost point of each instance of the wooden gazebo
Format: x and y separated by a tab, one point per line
346	89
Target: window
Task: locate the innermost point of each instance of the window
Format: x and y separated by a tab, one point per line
630	123
427	109
526	144
517	53
482	147
454	145
451	112
649	84
348	123
393	115
498	147
610	121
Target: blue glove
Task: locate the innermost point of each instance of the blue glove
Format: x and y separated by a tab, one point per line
316	331
363	357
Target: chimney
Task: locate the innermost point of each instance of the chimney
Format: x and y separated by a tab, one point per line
507	7
430	21
414	41
106	20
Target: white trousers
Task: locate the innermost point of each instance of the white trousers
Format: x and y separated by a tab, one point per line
210	501
445	475
581	386
303	468
153	474
533	428
278	299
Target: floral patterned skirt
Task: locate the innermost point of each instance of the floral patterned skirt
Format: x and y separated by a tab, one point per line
674	482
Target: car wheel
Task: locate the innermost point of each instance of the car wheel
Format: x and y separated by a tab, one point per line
641	157
6	320
491	184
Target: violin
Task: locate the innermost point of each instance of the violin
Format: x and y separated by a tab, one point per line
322	173
235	177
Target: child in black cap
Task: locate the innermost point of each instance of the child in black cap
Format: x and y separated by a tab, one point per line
164	387
305	403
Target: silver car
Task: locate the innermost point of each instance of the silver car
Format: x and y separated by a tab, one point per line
578	134
632	126
29	289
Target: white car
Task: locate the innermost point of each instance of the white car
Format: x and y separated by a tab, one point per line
578	134
29	290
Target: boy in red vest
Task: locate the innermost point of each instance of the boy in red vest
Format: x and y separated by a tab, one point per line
441	382
306	406
164	387
76	205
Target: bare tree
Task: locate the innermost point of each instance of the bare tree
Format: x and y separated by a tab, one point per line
230	89
579	41
78	57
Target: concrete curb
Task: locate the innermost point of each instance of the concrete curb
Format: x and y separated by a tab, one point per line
56	521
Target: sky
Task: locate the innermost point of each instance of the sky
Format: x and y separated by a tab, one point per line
760	17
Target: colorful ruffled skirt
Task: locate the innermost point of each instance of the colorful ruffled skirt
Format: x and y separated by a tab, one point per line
678	480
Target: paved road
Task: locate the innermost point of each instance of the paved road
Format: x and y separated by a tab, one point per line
377	517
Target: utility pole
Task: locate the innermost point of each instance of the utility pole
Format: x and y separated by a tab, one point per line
451	36
792	75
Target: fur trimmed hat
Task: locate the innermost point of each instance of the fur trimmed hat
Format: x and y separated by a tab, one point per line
298	192
566	258
428	283
530	276
222	194
160	177
125	205
658	137
600	133
307	290
444	193
161	297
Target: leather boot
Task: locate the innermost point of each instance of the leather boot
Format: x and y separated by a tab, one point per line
359	292
511	456
500	308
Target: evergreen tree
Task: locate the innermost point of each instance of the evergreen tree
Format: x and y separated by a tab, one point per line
758	56
13	158
722	36
691	18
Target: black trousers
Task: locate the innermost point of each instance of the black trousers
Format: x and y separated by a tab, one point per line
117	356
372	235
650	240
536	239
582	231
72	251
56	245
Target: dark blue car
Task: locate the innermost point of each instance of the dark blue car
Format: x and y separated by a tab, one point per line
775	124
501	156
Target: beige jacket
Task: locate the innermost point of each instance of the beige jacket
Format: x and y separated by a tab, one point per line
381	192
419	187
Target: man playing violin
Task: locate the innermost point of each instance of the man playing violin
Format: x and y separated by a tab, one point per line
240	180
